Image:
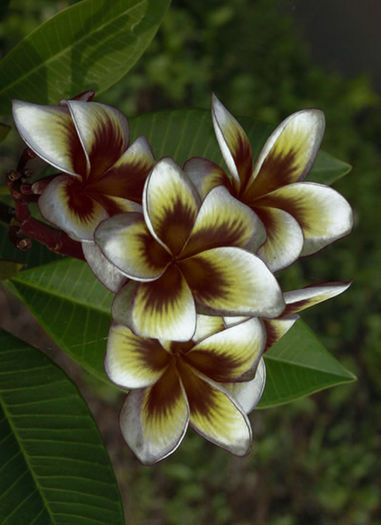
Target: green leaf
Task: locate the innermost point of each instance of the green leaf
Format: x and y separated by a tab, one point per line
185	133
53	467
327	169
72	306
90	45
299	365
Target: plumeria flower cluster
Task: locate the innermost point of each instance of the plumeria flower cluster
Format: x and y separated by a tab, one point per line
189	254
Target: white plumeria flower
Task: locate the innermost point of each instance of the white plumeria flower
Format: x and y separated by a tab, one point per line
181	253
197	382
300	217
102	174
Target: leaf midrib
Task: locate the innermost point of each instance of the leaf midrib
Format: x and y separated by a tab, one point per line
26	458
65	49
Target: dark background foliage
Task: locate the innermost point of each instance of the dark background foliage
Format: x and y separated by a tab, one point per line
316	461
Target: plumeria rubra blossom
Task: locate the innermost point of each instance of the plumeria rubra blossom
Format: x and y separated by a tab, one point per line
300	217
176	383
182	252
89	143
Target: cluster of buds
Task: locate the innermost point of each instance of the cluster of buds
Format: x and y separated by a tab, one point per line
190	254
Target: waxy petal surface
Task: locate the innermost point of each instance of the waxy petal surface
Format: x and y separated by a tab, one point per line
126	242
277	328
103	132
248	393
298	300
207	325
205	175
232	281
234	144
284	241
108	274
227	355
50	132
154	420
132	361
66	205
224	221
170	205
214	414
289	152
126	178
323	214
163	309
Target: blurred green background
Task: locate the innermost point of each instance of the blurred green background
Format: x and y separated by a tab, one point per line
316	461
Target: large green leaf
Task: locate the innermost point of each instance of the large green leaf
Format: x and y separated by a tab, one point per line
74	308
299	365
189	132
90	45
53	467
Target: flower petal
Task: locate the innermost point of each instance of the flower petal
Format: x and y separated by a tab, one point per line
289	152
227	355
170	205
284	240
154	420
234	144
298	300
214	414
117	205
224	221
205	175
232	281
277	328
163	309
108	274
126	178
323	214
126	242
207	325
103	132
248	393
50	132
132	361
65	204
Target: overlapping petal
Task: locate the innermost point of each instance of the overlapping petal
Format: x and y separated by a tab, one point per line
126	178
132	361
214	414
108	274
232	281
205	174
284	241
170	204
207	325
224	221
126	242
323	214
234	144
103	132
289	152
49	131
228	354
277	328
66	205
163	309
248	393
154	420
